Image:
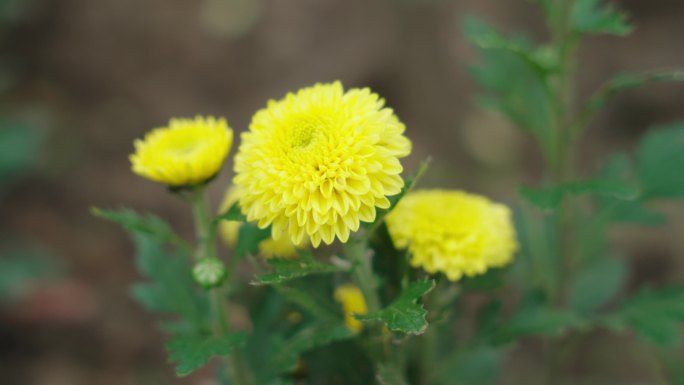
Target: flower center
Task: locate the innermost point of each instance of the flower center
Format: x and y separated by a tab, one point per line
303	135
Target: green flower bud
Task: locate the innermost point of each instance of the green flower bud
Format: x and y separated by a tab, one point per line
209	272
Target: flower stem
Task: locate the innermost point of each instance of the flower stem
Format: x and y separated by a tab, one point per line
206	248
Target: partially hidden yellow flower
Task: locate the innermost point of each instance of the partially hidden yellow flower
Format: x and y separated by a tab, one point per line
187	152
317	163
352	301
453	232
268	248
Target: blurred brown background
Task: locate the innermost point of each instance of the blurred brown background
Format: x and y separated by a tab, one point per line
94	75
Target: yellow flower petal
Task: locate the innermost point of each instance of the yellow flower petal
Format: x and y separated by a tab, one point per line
320	161
453	232
187	152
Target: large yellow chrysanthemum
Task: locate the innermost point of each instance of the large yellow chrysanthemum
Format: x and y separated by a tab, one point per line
352	301
268	248
187	152
318	162
453	232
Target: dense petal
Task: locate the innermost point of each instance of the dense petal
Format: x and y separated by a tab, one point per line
453	232
319	161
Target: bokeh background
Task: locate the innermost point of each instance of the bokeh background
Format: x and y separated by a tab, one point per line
81	79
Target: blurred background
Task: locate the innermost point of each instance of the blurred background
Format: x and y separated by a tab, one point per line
80	79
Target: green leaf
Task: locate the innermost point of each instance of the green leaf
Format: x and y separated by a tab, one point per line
656	315
192	352
484	36
615	210
515	77
288	269
596	283
535	316
620	83
141	223
551	197
285	358
170	288
404	314
660	161
249	237
309	302
234	213
593	17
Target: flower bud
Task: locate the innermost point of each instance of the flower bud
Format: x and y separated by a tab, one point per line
209	272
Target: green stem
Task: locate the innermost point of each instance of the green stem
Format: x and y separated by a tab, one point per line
206	248
357	252
562	167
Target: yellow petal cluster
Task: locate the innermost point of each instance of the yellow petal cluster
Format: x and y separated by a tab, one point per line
268	248
187	152
317	163
453	232
352	301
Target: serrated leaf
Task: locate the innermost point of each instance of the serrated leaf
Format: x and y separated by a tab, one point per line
234	213
595	284
620	83
656	315
170	288
285	359
484	36
596	17
550	198
192	352
404	314
659	162
140	223
515	80
288	269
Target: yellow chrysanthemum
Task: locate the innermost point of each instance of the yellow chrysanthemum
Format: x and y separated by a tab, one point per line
352	301
453	232
187	152
318	162
268	248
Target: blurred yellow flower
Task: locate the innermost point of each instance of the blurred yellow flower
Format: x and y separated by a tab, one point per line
268	248
453	232
352	301
316	163
187	152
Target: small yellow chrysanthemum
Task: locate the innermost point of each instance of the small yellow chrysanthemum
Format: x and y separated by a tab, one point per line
268	248
187	152
316	163
352	301
453	232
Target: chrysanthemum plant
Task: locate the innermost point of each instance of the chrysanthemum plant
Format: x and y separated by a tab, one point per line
337	270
